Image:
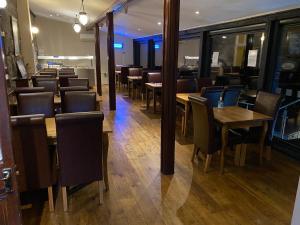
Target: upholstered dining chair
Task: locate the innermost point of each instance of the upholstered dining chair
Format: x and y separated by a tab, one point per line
63	90
268	104
204	82
36	103
50	85
64	79
35	162
213	94
78	82
46	76
207	138
187	86
79	101
79	144
232	94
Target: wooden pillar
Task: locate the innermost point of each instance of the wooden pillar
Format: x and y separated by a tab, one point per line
98	60
151	54
170	63
111	60
204	55
136	53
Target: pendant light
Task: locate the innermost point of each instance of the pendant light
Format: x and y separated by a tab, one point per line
3	4
76	26
83	16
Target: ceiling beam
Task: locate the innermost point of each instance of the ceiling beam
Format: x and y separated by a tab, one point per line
116	7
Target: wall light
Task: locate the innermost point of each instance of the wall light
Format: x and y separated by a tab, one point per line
77	27
118	45
35	30
157	46
3	4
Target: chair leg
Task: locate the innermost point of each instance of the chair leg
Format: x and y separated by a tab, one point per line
194	153
65	198
182	124
269	153
243	155
237	156
50	199
101	188
207	162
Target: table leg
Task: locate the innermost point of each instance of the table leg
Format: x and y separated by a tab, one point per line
186	114
262	142
154	100
224	146
147	98
128	87
105	155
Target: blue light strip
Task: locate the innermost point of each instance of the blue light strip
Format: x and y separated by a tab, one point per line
118	45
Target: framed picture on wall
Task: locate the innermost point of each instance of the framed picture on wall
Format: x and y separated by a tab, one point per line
15	29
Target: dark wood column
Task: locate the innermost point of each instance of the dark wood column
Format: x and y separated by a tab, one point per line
111	60
170	63
98	59
136	53
204	55
151	54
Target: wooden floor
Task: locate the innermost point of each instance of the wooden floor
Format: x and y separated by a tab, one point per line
140	194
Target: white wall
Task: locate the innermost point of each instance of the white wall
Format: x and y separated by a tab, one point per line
58	38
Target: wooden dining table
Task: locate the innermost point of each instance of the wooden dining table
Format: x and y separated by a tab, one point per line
154	88
52	135
133	82
230	118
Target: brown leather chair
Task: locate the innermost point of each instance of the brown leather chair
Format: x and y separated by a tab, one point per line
154	77
186	86
124	75
79	82
213	94
63	90
36	103
64	79
79	101
34	78
35	161
22	90
50	85
79	143
204	82
207	138
135	72
268	104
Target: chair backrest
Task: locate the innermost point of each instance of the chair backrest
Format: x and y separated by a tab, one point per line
78	82
204	82
231	95
64	79
203	122
154	77
267	103
31	153
222	81
212	94
51	74
118	67
135	72
63	90
50	85
124	74
35	78
79	145
36	103
186	86
79	101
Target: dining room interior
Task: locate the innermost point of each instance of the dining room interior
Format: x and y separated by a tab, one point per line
149	112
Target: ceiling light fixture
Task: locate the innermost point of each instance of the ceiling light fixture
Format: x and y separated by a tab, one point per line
197	12
35	30
3	4
83	16
51	15
76	26
224	37
159	23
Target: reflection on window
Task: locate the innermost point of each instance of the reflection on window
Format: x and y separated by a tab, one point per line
236	59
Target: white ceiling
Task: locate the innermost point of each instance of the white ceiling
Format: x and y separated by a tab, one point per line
143	15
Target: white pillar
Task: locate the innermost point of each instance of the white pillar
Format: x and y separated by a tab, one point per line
26	44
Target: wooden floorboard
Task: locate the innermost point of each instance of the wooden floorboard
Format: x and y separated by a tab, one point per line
140	194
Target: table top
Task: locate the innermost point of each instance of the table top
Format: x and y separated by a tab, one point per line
154	85
51	127
236	114
185	96
134	77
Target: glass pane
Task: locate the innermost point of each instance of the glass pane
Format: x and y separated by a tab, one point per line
236	59
287	82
